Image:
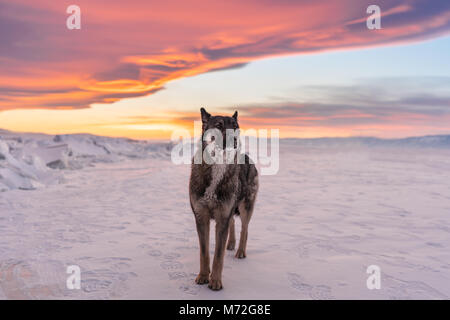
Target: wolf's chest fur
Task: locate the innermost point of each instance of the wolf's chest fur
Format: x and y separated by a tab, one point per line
217	174
221	183
214	184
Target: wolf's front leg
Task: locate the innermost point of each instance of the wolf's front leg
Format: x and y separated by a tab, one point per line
202	223
215	282
231	235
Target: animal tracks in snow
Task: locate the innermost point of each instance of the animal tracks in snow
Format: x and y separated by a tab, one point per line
315	292
171	265
169	262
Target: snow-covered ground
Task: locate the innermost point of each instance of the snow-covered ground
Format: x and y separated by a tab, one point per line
119	210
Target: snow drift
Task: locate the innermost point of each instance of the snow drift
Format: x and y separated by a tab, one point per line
29	161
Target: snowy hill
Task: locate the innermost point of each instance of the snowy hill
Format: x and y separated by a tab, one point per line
29	160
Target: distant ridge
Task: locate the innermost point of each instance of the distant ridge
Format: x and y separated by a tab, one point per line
436	141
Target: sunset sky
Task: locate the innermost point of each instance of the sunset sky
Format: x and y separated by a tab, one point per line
142	69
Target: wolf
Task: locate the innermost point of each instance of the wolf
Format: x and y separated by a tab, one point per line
219	191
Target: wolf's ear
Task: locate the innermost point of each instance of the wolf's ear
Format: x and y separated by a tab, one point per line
235	115
205	115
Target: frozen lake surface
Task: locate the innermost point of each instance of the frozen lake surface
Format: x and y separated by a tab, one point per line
334	208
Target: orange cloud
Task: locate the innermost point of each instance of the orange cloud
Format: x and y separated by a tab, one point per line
133	48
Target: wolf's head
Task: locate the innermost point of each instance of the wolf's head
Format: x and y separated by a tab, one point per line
215	128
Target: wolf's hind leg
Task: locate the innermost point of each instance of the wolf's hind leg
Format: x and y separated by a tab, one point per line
231	235
245	212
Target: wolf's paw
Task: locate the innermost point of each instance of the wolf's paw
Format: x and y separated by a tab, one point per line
215	284
240	254
231	245
202	279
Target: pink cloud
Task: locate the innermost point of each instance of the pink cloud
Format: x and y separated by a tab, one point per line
134	48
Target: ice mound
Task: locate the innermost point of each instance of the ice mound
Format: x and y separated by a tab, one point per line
21	170
29	161
85	149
